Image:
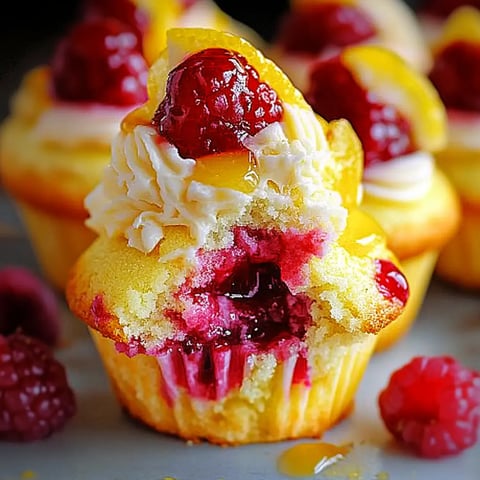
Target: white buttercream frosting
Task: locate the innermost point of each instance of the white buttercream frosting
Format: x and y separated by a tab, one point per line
402	179
463	128
72	125
148	186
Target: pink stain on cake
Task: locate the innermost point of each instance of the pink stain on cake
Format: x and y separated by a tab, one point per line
101	316
239	302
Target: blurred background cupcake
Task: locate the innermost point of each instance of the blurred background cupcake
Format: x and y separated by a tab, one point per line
315	29
56	139
456	75
401	122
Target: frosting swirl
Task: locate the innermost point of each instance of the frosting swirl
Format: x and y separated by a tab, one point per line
148	187
402	179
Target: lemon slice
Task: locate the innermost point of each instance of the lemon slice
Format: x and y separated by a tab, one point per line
462	25
384	73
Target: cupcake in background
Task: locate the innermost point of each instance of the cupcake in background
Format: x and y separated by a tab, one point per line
455	74
235	290
56	141
315	29
401	123
432	15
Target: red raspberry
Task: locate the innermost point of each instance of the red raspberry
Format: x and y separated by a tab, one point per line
314	28
432	405
35	398
334	93
124	10
214	100
100	61
28	304
456	75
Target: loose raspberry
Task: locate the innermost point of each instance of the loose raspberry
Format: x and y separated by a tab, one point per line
28	304
432	405
35	398
100	61
214	100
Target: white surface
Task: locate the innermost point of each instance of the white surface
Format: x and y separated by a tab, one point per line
102	443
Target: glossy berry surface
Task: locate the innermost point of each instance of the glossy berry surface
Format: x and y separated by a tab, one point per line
432	405
214	100
456	75
29	305
123	10
443	8
391	282
334	93
35	398
100	61
314	28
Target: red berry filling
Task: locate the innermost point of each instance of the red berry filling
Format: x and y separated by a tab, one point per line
27	304
391	283
314	28
35	398
443	8
214	100
100	61
456	76
432	405
334	93
123	10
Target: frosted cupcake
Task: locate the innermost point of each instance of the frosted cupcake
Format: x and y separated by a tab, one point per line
316	29
401	123
217	291
56	141
454	74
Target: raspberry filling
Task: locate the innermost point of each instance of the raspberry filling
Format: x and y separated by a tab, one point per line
391	283
314	28
443	8
214	100
100	61
456	75
334	93
123	10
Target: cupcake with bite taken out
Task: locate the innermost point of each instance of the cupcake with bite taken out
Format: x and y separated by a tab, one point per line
401	123
56	141
216	291
456	74
317	29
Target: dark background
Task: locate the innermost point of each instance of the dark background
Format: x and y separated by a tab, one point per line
29	28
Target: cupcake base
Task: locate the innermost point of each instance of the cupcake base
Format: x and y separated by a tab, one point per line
57	241
459	261
418	271
267	407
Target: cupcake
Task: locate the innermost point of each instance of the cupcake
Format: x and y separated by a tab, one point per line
56	141
432	15
315	29
400	121
454	74
235	290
